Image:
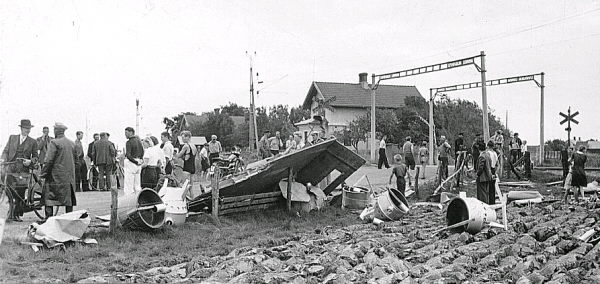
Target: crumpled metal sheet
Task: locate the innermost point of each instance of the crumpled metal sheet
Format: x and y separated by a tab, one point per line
58	230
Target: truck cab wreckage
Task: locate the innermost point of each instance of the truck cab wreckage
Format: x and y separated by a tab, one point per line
258	186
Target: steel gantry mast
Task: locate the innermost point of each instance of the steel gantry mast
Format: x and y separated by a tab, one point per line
376	79
503	81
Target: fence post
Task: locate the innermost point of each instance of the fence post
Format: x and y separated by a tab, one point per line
215	194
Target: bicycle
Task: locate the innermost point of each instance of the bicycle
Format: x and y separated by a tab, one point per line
93	171
32	201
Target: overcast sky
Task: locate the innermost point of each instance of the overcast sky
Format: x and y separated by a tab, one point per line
84	63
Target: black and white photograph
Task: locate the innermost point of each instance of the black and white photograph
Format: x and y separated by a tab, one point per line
329	141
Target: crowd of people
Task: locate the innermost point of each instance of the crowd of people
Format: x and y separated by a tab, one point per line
487	160
63	167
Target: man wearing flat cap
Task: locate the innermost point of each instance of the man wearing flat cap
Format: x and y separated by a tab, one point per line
22	152
59	172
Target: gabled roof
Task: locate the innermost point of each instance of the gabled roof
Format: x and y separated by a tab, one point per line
354	95
189	120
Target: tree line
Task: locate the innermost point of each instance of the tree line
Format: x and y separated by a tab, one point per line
219	122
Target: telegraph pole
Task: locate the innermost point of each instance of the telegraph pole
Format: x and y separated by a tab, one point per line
431	126
373	118
541	157
253	133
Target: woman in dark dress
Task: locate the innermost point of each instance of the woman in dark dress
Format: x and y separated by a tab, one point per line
579	179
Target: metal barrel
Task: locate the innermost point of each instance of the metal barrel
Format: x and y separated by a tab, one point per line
391	205
356	200
477	212
143	210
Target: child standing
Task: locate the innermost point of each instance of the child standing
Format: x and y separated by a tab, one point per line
400	171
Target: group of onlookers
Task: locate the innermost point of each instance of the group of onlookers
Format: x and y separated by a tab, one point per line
270	146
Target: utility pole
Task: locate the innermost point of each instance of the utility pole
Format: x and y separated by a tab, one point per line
373	118
484	105
137	116
253	131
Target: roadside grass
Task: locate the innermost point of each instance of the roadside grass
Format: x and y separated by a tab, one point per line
133	251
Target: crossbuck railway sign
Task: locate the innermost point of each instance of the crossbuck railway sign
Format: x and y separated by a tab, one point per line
568	118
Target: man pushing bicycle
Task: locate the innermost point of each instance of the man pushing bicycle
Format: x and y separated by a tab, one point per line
22	150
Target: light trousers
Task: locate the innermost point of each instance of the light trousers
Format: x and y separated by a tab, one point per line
132	176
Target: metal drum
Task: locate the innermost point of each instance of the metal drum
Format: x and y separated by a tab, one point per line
391	205
467	208
143	210
355	199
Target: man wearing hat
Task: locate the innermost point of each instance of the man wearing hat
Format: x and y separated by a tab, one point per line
59	172
22	151
515	148
316	138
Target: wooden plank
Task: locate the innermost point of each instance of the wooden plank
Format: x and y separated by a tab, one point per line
250	202
226	200
250	208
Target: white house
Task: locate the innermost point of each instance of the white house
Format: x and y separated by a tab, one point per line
346	101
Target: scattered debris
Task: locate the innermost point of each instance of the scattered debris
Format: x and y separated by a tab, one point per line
391	205
59	230
523	195
143	210
309	165
175	200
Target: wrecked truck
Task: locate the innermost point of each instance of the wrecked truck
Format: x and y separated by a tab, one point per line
327	165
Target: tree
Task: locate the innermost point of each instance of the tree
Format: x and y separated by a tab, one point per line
233	109
555	145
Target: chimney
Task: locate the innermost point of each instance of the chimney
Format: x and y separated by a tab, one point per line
217	110
362	80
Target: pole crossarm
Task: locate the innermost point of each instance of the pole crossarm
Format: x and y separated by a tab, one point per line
428	69
502	81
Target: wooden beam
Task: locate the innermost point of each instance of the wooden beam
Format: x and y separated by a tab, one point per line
250	202
253	196
250	208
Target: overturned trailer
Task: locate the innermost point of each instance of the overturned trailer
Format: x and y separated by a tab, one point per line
258	187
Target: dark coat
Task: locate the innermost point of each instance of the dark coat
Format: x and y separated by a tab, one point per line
484	167
59	172
104	152
30	148
42	145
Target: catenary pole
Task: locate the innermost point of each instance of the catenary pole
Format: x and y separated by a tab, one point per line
373	118
431	125
541	154
484	105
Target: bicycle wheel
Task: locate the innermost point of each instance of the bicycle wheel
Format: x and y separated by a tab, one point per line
34	198
92	181
11	200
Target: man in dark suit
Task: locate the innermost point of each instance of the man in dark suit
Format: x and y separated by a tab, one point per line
104	154
81	182
94	183
22	150
43	143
